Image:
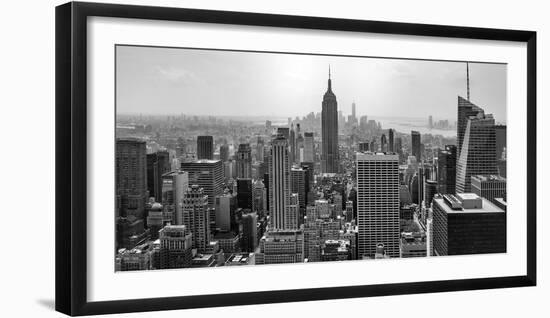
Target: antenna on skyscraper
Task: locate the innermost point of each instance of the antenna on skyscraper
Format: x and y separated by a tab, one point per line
468	80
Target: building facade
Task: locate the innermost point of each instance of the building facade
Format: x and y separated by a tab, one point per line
243	160
446	170
477	155
205	147
329	131
489	187
207	174
195	217
131	177
377	203
467	224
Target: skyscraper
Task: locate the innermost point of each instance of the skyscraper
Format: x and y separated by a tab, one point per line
245	197
398	147
259	193
279	184
415	145
329	131
131	176
249	240
207	174
478	151
467	224
284	131
378	203
175	247
244	161
465	110
299	184
489	187
446	170
196	218
224	153
292	143
430	189
390	141
174	186
260	149
225	207
500	137
158	163
383	143
281	246
309	146
205	147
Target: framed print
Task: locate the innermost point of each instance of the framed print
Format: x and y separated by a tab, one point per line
254	158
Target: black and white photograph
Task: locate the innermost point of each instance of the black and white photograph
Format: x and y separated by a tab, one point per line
244	158
274	159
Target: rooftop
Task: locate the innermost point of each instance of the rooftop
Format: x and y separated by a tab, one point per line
201	161
489	177
369	155
241	258
462	203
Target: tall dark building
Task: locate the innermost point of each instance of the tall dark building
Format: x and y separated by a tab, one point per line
224	153
500	138
465	110
446	170
467	224
267	188
243	159
416	145
205	147
249	240
363	146
329	131
158	163
131	177
292	142
245	197
284	131
310	171
391	147
207	174
430	189
299	183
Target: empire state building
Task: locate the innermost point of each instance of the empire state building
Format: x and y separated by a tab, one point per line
329	131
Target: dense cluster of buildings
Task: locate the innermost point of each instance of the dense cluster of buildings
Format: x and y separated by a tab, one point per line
320	188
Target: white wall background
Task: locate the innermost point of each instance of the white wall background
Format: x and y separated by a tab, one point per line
27	157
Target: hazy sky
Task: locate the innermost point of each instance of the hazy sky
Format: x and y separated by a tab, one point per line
206	82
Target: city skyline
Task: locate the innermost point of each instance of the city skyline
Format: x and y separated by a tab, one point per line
164	81
324	187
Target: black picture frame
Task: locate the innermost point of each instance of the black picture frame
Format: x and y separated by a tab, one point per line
71	157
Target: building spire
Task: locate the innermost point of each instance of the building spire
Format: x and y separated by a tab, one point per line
468	81
329	81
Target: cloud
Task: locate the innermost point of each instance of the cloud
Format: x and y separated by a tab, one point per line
176	74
